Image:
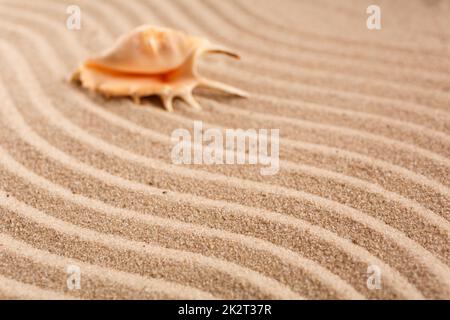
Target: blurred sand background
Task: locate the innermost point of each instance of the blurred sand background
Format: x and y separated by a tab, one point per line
365	145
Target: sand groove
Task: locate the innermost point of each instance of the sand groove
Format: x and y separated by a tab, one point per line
364	162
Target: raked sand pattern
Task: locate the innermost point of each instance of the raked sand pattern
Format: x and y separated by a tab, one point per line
364	169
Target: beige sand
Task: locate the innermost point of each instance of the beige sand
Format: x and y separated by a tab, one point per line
365	145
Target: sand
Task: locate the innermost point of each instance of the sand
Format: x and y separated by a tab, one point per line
364	119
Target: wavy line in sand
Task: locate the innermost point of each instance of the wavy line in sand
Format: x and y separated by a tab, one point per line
233	20
52	114
314	269
427	214
135	282
358	131
283	85
343	41
15	289
376	49
394	278
344	65
438	36
279	59
58	120
41	97
365	54
269	286
307	59
25	76
372	159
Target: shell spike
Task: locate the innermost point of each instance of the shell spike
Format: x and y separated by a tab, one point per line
211	84
168	103
189	99
76	76
136	99
221	50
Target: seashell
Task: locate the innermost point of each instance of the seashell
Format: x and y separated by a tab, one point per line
152	61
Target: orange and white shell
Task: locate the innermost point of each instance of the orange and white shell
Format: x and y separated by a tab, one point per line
152	61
